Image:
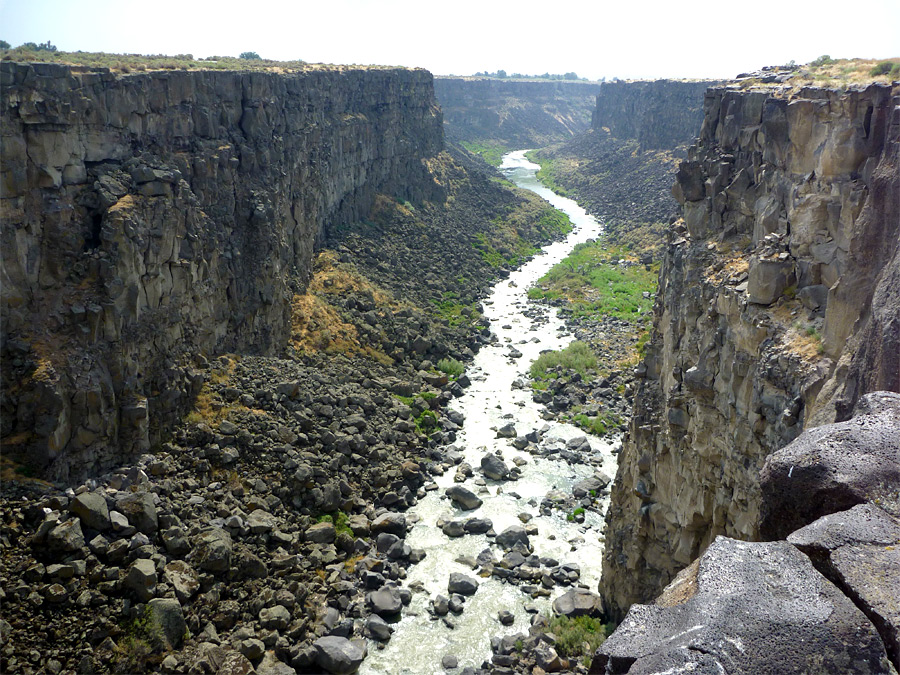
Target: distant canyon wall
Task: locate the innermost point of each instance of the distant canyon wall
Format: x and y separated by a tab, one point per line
659	114
153	220
778	308
518	113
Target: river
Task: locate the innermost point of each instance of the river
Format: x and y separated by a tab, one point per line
419	641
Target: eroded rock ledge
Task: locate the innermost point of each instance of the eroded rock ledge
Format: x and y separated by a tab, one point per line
777	309
151	220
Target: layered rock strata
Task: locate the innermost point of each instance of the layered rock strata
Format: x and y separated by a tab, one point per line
151	220
777	310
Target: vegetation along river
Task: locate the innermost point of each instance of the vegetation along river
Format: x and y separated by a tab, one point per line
495	399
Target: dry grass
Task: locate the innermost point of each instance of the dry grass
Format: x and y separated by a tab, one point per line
139	63
845	71
316	324
208	407
797	337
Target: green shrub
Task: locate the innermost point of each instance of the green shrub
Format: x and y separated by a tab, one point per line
426	422
577	356
823	60
882	68
451	367
579	636
249	55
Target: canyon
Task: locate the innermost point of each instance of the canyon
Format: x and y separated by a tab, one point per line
234	305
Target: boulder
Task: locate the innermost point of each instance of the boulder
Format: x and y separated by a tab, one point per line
578	602
511	535
462	584
182	578
478	525
66	536
274	618
260	521
756	607
390	522
212	550
768	279
378	628
507	431
834	467
494	468
463	497
321	533
140	510
859	551
141	579
338	655
91	508
384	602
166	616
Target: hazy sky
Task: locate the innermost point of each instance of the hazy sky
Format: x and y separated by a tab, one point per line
627	39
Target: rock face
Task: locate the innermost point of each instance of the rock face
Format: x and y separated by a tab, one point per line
517	113
778	307
747	607
247	170
659	114
821	597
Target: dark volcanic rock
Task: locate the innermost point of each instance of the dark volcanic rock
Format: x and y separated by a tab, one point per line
494	468
463	497
832	468
746	607
859	551
338	655
578	602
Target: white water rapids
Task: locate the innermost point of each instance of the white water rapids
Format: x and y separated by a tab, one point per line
419	642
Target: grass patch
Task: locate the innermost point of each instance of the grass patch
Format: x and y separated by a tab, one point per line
579	637
451	367
426	422
339	519
490	151
577	356
548	173
594	286
600	425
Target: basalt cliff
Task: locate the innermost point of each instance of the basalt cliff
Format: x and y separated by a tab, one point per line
153	220
778	308
517	113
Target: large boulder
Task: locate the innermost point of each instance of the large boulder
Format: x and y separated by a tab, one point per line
92	509
511	536
338	655
746	607
167	618
833	468
140	510
212	550
494	468
385	602
578	602
464	498
390	522
859	551
462	584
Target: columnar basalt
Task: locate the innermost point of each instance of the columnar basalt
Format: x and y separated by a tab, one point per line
777	310
151	220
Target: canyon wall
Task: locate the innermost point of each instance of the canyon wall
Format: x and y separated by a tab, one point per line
152	220
518	113
660	114
778	308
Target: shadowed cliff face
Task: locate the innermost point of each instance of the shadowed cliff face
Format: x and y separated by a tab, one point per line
659	115
517	114
151	220
777	310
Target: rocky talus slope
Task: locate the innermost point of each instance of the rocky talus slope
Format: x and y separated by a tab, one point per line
517	114
777	309
824	600
153	219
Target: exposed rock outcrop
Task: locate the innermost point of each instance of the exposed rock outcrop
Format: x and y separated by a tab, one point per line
106	312
785	265
767	607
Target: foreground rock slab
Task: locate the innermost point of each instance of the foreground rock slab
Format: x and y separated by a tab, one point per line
746	607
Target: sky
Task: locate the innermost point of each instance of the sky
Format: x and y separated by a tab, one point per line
626	39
